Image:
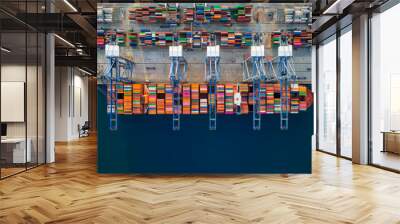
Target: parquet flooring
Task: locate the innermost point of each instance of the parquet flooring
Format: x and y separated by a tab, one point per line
70	191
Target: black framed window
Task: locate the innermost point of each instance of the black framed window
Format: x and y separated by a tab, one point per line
334	93
22	77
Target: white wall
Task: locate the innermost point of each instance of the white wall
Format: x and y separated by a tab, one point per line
12	73
71	102
33	127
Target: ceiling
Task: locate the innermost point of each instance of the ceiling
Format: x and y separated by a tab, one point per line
72	20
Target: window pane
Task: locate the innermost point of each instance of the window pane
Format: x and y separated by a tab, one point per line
346	94
327	97
385	82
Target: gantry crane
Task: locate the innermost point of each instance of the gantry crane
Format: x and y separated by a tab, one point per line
286	76
177	73
261	71
212	74
118	69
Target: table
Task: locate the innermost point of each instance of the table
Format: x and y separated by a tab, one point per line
16	147
391	141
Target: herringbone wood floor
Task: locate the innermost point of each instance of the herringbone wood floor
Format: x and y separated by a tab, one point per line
70	191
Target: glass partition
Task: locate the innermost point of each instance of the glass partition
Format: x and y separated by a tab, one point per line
14	144
22	88
385	89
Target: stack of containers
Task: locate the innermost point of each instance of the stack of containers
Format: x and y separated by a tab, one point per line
132	14
294	98
154	14
188	15
251	98
197	39
133	39
169	94
110	36
297	39
127	98
226	16
200	16
247	39
243	13
231	39
208	13
195	99
229	94
203	99
263	98
160	98
120	98
121	36
185	38
238	39
277	98
173	14
302	98
216	13
220	98
244	92
224	39
204	39
276	38
286	93
247	13
146	37
152	108
100	38
136	99
186	99
161	39
270	98
169	38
